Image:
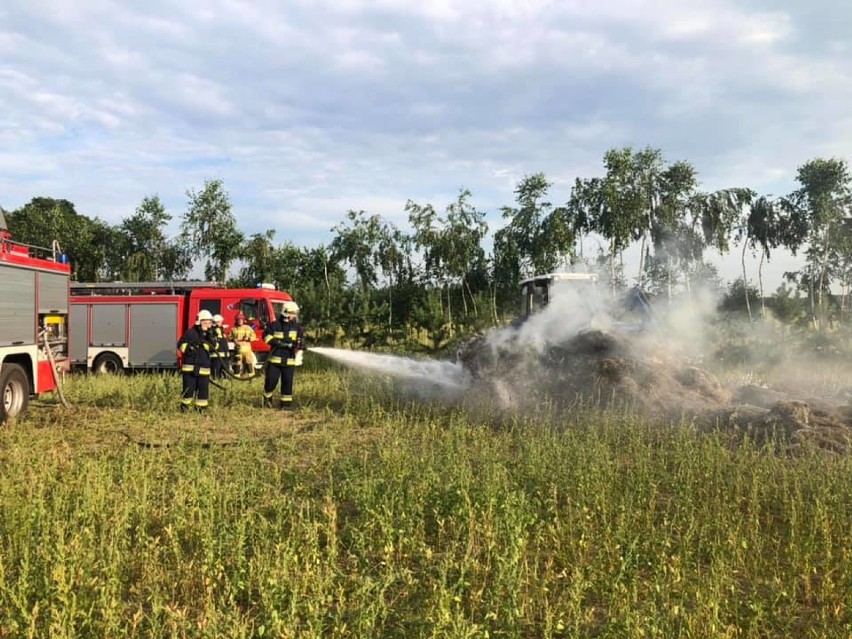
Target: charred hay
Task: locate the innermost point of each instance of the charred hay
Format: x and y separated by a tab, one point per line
610	370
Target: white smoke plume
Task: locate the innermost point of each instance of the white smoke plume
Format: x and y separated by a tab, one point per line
586	345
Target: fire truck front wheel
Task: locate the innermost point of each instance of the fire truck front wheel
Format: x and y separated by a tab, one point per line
14	391
107	364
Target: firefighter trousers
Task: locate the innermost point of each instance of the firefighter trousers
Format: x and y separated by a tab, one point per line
196	390
286	374
247	361
217	364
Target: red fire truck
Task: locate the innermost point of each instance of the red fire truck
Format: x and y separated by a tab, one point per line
118	326
33	317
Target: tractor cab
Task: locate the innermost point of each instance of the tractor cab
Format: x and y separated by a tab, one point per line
632	312
537	292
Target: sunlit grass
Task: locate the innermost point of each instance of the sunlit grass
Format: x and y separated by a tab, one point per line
368	516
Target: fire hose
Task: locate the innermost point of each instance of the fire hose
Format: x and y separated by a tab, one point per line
241	378
224	369
55	371
229	373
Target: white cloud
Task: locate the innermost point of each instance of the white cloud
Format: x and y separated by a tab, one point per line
309	109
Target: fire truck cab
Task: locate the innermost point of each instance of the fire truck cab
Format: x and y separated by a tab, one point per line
33	321
116	326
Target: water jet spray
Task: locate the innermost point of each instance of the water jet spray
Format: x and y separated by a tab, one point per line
427	379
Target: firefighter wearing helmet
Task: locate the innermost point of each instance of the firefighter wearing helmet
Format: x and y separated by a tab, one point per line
286	342
195	347
243	335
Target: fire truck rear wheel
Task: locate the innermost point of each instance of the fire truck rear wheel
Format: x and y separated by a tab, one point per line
107	364
14	391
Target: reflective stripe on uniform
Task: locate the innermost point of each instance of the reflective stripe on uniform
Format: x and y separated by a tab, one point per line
190	368
274	360
201	403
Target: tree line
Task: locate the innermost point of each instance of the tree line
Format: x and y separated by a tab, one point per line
375	283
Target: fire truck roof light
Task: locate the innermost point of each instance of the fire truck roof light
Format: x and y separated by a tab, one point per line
266	285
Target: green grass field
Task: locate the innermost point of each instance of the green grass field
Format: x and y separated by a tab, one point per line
366	516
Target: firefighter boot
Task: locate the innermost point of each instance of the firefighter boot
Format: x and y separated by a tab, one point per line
266	402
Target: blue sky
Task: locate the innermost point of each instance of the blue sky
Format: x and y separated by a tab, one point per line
308	109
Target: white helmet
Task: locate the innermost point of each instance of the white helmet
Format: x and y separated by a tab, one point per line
218	318
203	314
291	307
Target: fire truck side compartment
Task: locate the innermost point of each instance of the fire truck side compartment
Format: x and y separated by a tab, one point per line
17	312
109	325
154	327
52	293
78	338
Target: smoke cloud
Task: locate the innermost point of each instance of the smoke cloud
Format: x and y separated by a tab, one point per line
658	361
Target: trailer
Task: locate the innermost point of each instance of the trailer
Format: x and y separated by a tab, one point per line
34	306
121	326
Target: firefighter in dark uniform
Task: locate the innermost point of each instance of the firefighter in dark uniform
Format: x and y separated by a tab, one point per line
195	347
286	342
219	356
224	347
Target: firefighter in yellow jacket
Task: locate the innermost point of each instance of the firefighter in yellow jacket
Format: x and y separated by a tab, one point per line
286	341
195	347
242	335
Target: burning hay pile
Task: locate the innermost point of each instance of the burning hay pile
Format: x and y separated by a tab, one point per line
612	370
